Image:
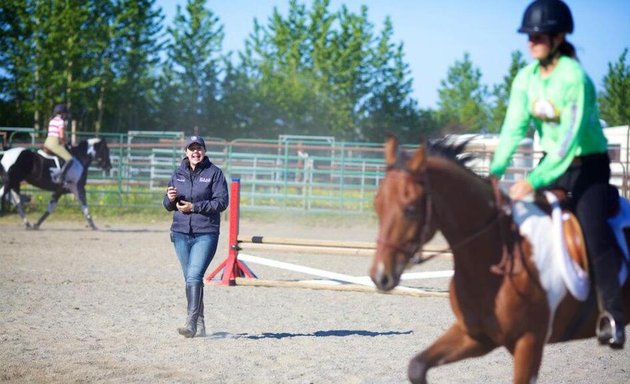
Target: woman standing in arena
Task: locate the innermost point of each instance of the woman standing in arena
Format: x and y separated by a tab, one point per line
197	193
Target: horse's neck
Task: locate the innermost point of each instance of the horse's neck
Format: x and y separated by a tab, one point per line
464	204
80	152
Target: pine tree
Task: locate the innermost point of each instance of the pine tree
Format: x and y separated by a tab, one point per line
615	99
462	98
137	45
501	92
194	65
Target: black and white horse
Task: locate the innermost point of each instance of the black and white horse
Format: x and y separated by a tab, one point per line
38	169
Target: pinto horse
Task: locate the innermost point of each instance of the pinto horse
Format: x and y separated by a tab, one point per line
433	190
20	164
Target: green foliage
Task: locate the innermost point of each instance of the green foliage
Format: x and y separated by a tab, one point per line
501	92
95	56
320	73
311	71
191	73
15	32
391	108
137	43
462	99
615	99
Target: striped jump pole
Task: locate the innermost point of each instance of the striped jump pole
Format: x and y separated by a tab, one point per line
232	267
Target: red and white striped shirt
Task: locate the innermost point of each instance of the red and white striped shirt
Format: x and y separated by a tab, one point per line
56	127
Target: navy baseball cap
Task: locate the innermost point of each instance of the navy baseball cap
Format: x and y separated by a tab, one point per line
196	140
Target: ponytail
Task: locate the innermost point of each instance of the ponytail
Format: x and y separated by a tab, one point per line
567	49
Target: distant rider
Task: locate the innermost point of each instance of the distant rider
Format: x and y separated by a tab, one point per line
56	140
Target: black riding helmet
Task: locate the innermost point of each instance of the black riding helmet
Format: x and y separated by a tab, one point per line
60	108
547	16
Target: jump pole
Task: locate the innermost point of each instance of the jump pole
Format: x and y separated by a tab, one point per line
232	267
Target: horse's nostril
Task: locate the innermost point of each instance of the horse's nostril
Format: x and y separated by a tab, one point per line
381	281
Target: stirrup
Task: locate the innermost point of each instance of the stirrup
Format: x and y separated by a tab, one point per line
608	332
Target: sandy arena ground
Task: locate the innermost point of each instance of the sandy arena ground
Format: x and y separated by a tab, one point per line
83	306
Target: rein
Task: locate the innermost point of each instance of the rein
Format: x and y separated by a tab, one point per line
466	240
411	248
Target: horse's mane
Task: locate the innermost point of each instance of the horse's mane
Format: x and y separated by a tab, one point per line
448	148
445	147
82	145
455	151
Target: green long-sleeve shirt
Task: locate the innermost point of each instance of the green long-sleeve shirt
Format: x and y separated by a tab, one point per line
563	109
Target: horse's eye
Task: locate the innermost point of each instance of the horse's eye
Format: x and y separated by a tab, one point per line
411	211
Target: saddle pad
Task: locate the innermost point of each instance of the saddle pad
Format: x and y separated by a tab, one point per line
536	226
48	156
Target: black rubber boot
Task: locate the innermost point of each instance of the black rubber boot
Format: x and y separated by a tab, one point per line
201	325
610	324
193	295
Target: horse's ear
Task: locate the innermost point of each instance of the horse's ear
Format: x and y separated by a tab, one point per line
391	149
418	158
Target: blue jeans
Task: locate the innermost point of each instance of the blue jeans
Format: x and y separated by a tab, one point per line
195	252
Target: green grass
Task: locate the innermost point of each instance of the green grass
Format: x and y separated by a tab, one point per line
69	210
142	205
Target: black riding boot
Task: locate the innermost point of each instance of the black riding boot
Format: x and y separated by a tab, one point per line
64	171
193	295
201	325
610	324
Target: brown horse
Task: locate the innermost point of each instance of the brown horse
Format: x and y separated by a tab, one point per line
433	190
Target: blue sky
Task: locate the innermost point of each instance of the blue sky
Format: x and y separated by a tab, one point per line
436	33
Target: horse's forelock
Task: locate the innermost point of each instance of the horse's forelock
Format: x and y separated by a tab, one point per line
100	150
93	141
96	145
401	160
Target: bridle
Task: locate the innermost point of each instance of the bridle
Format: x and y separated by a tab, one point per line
411	247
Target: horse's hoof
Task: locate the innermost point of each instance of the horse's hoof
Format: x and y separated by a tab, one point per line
610	332
417	372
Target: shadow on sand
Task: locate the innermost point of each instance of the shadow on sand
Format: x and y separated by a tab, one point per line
284	335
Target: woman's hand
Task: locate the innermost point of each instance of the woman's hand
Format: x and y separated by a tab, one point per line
171	193
184	206
520	189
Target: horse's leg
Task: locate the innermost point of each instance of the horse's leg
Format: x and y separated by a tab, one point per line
79	192
17	201
52	204
453	345
528	352
3	199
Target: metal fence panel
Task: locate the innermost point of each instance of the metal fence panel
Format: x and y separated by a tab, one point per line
291	173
